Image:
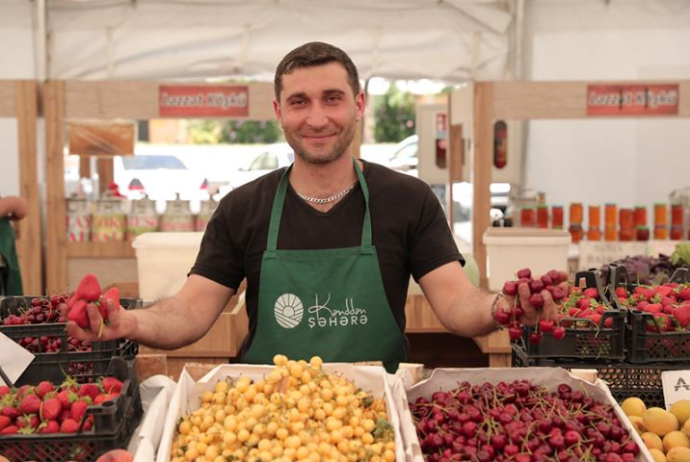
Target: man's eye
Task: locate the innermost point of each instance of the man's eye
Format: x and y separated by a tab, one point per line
332	99
297	102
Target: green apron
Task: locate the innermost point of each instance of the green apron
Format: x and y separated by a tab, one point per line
329	303
11	277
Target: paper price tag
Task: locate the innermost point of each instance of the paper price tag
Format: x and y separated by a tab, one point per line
13	359
676	385
594	254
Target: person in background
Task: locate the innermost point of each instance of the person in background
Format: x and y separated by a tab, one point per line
327	245
11	208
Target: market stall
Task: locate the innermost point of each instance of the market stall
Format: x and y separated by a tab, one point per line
18	100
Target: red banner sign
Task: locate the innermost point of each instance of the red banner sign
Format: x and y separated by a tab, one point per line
203	101
613	100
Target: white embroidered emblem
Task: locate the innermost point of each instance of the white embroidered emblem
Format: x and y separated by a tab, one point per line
288	311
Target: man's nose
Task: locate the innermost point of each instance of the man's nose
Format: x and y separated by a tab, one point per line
317	117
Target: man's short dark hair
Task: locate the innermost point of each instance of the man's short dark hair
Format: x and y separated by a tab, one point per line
315	54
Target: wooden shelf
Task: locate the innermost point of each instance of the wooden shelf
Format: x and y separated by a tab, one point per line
100	250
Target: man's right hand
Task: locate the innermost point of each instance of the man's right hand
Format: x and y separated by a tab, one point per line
121	324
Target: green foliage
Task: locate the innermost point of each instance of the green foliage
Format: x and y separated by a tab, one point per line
394	116
211	131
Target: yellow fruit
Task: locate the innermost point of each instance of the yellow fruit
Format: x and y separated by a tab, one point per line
637	423
678	455
681	409
686	427
676	439
633	406
659	421
652	441
657	456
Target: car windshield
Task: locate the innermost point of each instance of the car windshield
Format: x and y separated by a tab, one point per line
146	162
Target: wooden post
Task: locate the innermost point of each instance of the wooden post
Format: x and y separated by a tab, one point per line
29	229
481	180
56	235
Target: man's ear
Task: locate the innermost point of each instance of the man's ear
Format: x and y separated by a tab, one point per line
360	103
276	110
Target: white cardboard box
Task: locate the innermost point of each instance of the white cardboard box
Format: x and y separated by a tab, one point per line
186	396
163	262
510	249
550	377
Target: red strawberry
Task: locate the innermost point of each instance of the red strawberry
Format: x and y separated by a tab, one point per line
111	294
584	303
30	404
608	323
79	314
43	388
51	409
591	293
648	293
49	426
79	409
72	300
653	308
113	385
664	290
89	389
4	421
11	412
682	315
596	318
667	301
684	294
66	398
28	421
9	430
4	390
69	426
100	399
88	289
663	321
621	292
88	423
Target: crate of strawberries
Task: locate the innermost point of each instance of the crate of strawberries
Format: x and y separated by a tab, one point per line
38	325
658	320
58	418
585	326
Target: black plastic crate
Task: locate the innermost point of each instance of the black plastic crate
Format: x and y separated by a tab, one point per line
588	341
114	424
642	346
100	351
625	380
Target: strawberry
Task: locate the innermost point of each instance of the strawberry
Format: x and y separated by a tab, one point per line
43	388
608	323
111	294
10	411
72	300
664	290
621	292
88	423
89	389
9	430
591	293
30	421
653	308
69	426
66	398
663	321
79	314
4	390
88	289
49	426
79	410
4	421
684	294
100	399
682	315
112	385
50	409
30	404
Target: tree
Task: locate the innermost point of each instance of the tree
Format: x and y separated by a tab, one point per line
394	116
211	131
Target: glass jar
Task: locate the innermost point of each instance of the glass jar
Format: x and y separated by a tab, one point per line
109	221
594	217
542	216
677	215
78	220
626	230
610	222
207	210
642	233
640	216
557	217
575	215
660	221
177	217
143	218
527	217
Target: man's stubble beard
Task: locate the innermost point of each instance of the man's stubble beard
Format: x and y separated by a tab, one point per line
339	149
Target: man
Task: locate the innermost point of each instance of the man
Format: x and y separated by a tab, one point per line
327	245
11	208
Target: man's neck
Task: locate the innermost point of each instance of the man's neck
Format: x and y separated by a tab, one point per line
322	180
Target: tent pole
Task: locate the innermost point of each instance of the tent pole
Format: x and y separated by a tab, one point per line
41	39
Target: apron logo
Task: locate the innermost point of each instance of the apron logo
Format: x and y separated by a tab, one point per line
323	316
288	311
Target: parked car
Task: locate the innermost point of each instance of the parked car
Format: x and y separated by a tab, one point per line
160	176
274	156
404	157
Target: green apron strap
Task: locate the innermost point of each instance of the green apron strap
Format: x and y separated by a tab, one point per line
8	251
277	212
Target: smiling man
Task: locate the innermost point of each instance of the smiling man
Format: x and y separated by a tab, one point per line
327	245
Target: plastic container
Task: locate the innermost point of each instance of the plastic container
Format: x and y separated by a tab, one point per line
164	260
511	249
114	422
589	342
625	380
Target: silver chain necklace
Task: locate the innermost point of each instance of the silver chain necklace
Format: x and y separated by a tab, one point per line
326	200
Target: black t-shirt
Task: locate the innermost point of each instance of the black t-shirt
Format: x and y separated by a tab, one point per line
409	231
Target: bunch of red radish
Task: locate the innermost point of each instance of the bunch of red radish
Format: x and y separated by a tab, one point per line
520	422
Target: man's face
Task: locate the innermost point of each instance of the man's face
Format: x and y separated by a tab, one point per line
318	112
